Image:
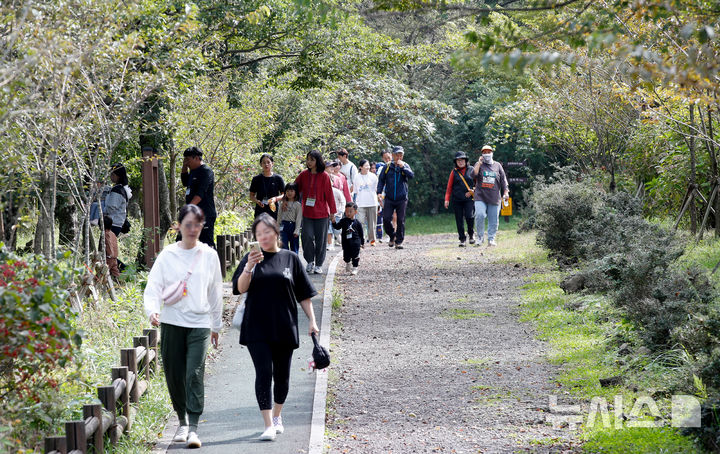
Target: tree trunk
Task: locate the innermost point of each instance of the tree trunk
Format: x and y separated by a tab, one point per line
693	169
153	136
65	213
714	168
44	229
173	184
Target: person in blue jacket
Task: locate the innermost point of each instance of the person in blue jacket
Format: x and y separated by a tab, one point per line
393	179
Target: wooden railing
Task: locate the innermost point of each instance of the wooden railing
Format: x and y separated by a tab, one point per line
231	248
129	382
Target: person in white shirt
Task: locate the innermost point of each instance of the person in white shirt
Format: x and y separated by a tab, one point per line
365	193
190	324
346	167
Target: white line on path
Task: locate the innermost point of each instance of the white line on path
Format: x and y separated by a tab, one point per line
317	427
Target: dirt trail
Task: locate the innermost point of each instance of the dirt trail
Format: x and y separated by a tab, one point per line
431	357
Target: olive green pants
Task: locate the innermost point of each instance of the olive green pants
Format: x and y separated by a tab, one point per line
183	354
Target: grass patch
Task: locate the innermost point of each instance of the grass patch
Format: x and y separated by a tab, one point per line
513	247
444	222
478	362
464	314
705	254
639	440
337	298
583	333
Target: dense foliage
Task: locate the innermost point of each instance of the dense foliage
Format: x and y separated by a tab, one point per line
38	340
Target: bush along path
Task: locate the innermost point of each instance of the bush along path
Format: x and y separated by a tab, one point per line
430	356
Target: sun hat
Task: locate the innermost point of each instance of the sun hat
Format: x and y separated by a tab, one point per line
460	155
486	147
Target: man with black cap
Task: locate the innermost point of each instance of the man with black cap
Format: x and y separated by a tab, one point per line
459	188
199	180
394	181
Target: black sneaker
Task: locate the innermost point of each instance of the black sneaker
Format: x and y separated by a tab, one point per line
472	240
399	246
391	244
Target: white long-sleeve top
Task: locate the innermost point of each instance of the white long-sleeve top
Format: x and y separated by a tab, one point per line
202	306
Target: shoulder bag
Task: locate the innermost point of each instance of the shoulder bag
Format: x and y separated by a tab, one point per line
177	290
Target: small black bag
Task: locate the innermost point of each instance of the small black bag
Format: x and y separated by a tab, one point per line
125	227
321	356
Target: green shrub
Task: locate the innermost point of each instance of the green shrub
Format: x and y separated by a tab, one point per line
38	337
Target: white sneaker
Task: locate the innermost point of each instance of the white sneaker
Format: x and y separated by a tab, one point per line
278	425
492	243
331	247
317	270
354	271
269	434
462	244
348	267
310	267
193	441
181	435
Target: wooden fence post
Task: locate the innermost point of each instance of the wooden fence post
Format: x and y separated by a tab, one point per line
152	335
128	358
142	341
222	254
106	394
123	373
57	443
95	411
75	434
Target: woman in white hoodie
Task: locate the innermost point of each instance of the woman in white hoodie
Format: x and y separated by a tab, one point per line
116	201
190	324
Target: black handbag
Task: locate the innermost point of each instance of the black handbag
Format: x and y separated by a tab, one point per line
321	356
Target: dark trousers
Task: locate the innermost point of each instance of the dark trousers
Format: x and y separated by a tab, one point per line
207	235
183	355
464	212
351	252
287	234
272	364
314	239
390	207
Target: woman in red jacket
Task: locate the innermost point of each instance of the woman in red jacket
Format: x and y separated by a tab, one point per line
318	205
460	189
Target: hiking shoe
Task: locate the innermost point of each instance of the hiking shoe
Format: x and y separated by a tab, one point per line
492	243
348	267
181	435
278	425
399	246
269	434
391	244
310	267
317	270
354	270
193	441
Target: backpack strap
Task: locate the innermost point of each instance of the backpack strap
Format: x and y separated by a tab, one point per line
463	180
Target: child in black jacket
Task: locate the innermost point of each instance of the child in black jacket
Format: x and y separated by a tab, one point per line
352	237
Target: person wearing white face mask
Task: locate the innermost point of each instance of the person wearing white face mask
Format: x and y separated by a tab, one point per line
490	181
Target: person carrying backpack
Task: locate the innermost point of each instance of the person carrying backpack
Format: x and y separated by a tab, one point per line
116	202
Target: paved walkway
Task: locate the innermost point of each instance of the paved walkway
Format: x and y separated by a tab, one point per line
231	422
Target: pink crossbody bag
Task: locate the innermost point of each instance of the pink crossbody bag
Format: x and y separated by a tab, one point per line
177	290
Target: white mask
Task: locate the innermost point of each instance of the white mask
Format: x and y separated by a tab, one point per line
487	158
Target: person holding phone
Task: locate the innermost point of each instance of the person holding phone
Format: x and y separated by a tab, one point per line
190	324
275	282
490	181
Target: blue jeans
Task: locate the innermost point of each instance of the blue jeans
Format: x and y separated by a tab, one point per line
492	213
287	234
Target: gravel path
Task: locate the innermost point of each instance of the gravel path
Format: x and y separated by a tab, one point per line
430	356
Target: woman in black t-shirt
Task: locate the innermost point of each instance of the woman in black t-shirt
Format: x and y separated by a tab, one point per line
267	188
275	281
